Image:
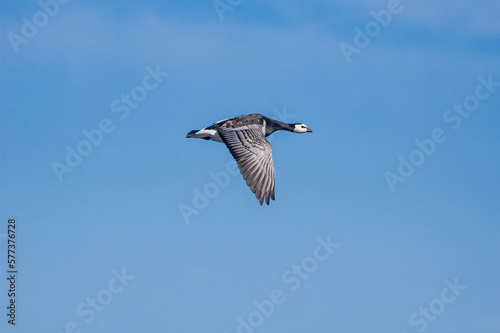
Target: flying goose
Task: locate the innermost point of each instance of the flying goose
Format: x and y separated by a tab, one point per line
245	137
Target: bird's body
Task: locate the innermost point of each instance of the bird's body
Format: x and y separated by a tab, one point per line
245	136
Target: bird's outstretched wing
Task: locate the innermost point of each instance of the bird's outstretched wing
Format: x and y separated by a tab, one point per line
253	155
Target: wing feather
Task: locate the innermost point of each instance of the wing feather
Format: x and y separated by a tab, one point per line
253	154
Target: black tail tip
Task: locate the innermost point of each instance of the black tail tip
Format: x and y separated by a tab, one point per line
190	134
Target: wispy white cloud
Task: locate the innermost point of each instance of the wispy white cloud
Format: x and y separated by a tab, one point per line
447	16
87	33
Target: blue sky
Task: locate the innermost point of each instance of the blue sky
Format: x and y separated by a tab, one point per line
105	247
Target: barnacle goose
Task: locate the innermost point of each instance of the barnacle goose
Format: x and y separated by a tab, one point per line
245	136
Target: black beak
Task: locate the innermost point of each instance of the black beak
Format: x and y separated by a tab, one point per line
309	130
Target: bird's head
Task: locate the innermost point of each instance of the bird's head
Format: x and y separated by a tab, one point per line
300	128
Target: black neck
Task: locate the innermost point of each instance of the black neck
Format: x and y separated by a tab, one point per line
274	125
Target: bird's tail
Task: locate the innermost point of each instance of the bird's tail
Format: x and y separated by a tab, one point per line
199	134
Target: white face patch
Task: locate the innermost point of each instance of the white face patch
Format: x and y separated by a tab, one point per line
300	128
